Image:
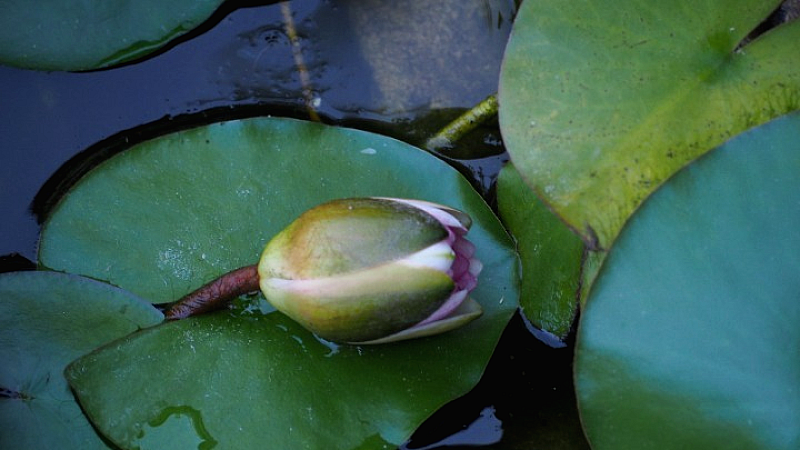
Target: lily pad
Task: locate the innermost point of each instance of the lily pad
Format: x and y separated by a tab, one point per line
47	320
600	102
170	214
239	382
551	254
81	35
690	338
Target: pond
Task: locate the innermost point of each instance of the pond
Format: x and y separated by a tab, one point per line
645	139
404	69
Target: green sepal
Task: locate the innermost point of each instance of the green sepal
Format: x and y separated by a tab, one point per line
364	305
346	235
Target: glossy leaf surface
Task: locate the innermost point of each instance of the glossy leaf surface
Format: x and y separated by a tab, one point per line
551	256
165	217
170	214
601	102
690	338
240	382
48	319
81	35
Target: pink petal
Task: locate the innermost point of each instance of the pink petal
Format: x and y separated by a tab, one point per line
455	299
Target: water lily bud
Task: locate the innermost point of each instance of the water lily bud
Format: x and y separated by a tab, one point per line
372	270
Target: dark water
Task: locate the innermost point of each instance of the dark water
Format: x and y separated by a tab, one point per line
399	68
241	63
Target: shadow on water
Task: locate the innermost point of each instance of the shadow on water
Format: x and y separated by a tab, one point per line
524	401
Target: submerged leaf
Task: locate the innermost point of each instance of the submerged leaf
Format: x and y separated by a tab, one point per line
690	338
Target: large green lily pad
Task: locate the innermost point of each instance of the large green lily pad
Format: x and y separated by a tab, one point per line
163	218
690	338
600	102
552	257
81	35
170	214
48	319
242	382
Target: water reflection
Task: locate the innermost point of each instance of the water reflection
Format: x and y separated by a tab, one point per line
380	65
487	429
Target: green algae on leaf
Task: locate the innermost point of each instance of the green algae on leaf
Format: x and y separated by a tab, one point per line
600	102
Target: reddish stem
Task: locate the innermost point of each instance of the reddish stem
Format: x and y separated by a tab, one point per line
215	294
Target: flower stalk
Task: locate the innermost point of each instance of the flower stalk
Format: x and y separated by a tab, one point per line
216	294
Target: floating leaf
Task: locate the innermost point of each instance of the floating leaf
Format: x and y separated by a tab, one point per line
48	319
690	338
600	102
168	215
551	256
240	382
81	35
